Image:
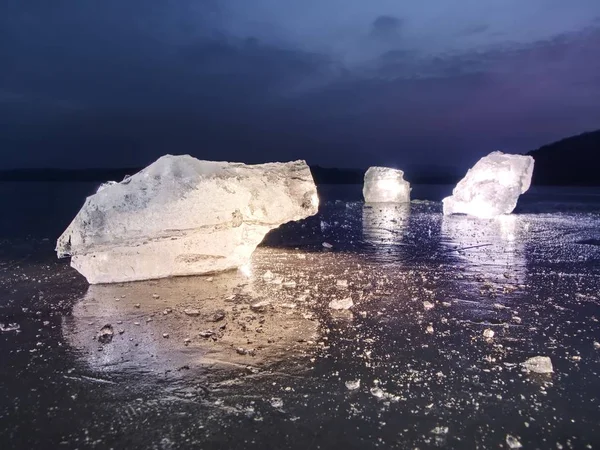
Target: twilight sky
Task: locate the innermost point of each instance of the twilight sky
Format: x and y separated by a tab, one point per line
341	83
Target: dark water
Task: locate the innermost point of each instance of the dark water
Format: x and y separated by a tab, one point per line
267	363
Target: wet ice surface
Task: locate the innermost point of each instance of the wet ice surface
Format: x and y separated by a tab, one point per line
244	360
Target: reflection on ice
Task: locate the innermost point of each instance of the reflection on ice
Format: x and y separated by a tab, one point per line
232	319
384	224
496	247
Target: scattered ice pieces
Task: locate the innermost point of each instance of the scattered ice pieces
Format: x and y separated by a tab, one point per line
440	431
428	305
488	334
183	216
385	185
513	442
539	364
352	385
290	284
342	283
492	186
193	312
345	303
106	333
327	245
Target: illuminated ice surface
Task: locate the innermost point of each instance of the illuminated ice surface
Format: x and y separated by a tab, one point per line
385	185
183	216
264	362
492	186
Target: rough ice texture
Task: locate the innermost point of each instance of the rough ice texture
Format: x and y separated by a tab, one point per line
385	185
539	364
492	186
182	216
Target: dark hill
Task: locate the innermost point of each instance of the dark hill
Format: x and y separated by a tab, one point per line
571	161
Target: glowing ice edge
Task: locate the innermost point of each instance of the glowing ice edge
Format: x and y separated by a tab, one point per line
492	186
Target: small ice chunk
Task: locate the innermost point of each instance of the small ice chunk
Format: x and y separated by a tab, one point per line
327	245
539	364
492	186
191	312
428	305
385	185
513	442
291	284
488	334
277	403
342	283
345	303
377	392
268	275
440	431
9	327
106	333
352	385
260	306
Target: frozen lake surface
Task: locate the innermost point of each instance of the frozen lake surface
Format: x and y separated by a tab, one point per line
244	360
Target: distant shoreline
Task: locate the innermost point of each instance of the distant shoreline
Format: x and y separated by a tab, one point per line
321	175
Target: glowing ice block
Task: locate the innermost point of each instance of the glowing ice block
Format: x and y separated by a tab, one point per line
183	216
492	186
385	185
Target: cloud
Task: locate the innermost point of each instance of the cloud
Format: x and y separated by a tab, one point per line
338	82
386	27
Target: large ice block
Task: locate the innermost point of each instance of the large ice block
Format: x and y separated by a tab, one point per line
492	186
183	216
385	185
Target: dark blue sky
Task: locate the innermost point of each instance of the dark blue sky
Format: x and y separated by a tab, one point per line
347	83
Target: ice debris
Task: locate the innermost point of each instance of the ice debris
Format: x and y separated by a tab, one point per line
352	385
492	186
345	303
106	333
513	442
183	216
385	185
539	364
488	334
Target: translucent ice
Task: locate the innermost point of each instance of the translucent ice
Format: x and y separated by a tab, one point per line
385	185
183	216
492	186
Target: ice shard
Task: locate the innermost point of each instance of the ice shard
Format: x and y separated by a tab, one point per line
492	186
385	185
183	216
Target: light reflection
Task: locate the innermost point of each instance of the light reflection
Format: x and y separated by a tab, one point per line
166	324
384	224
494	247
